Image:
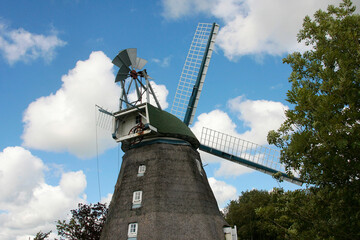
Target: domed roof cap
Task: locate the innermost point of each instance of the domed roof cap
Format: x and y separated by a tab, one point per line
170	126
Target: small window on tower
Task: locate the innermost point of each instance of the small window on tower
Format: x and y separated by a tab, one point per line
138	119
137	198
141	171
198	164
132	231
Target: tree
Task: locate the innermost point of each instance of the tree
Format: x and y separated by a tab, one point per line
86	222
321	134
301	214
274	215
289	215
242	213
41	236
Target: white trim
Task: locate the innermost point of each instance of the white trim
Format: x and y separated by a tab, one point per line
132	230
137	197
129	110
142	168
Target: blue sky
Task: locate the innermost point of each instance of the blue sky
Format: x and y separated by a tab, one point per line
55	65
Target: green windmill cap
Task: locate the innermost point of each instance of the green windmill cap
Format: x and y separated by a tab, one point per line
170	126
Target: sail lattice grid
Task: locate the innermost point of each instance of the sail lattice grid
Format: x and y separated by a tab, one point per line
104	119
191	69
243	149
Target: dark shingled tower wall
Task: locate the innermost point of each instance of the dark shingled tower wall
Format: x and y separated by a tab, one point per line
177	201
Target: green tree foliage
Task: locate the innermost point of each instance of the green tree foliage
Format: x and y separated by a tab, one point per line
321	135
314	213
241	213
292	215
272	215
41	236
302	214
86	222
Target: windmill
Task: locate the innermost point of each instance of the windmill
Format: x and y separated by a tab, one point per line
162	191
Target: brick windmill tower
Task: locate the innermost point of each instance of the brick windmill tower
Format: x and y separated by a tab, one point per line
162	191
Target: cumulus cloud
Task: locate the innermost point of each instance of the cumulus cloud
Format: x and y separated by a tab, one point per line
260	116
20	170
219	121
230	169
65	121
161	94
21	45
106	200
252	27
35	205
223	192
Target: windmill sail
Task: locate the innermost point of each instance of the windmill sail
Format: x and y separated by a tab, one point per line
243	152
104	118
194	71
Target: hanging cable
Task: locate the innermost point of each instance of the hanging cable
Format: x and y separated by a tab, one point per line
97	155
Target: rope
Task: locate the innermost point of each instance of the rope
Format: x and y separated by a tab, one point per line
97	156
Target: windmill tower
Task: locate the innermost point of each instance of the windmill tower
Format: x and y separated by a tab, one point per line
162	191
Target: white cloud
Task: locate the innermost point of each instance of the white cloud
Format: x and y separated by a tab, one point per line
230	169
216	120
36	205
165	62
252	27
219	121
223	192
207	158
161	94
20	170
107	199
260	116
174	9
72	183
65	121
21	45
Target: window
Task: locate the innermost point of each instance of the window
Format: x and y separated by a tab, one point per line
137	198
141	171
198	164
132	230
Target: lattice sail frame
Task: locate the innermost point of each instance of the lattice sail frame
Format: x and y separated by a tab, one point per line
195	68
249	154
104	119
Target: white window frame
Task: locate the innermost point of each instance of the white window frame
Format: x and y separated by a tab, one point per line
142	169
137	197
132	230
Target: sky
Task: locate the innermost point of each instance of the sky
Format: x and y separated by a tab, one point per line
55	65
